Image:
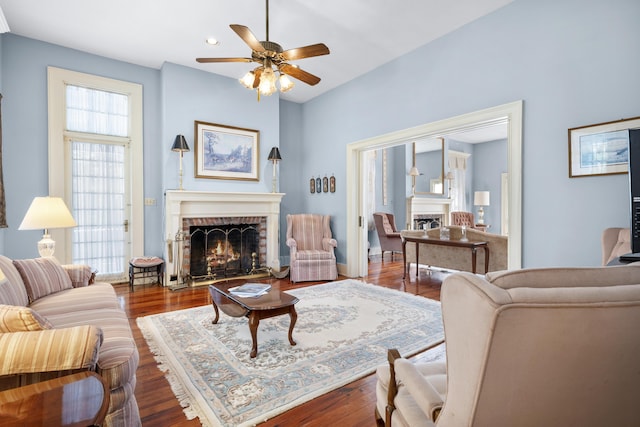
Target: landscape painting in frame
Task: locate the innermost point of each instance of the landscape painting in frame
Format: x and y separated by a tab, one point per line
226	152
601	149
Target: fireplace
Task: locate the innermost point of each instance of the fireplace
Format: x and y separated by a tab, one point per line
432	211
197	214
427	221
223	247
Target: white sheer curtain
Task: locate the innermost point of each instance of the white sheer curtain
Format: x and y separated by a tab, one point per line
98	179
458	165
98	187
97	111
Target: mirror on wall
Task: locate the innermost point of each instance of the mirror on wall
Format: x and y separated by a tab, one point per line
428	159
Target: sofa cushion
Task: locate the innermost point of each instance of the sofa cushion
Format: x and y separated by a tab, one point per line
118	358
14	318
97	296
12	289
42	276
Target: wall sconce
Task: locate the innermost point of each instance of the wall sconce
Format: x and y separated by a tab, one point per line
46	213
180	145
274	156
449	177
413	172
481	198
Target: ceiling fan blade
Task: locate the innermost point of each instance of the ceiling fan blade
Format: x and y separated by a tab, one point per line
300	74
305	52
248	37
204	60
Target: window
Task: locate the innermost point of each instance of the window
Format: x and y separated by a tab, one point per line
95	132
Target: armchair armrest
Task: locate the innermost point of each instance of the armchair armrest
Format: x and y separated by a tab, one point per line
425	395
292	243
74	348
329	244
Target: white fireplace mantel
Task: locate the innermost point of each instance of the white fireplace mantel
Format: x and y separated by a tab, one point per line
208	204
427	205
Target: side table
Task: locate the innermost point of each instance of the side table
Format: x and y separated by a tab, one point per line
76	400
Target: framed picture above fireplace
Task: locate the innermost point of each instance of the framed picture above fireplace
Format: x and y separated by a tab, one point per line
226	152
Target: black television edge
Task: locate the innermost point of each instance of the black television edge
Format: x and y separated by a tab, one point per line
634	187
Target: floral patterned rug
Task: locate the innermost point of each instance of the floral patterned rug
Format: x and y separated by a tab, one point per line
343	332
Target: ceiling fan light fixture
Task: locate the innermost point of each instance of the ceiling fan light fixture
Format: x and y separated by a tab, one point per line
267	82
248	79
286	84
212	41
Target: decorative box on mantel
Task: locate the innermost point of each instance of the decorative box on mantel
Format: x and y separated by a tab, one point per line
421	208
206	206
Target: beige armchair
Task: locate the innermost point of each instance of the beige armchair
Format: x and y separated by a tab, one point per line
534	347
389	236
616	241
458	258
311	248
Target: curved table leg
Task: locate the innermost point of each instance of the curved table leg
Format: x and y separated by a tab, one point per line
254	321
294	316
215	308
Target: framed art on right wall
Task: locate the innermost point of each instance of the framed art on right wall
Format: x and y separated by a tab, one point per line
600	149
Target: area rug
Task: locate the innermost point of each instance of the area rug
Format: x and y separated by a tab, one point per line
343	332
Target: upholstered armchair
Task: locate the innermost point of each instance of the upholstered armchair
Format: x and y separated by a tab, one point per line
463	218
616	241
532	347
389	236
311	248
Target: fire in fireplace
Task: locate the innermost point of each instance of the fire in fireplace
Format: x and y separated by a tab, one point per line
220	251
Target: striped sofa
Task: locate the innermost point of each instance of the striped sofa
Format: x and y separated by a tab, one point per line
53	322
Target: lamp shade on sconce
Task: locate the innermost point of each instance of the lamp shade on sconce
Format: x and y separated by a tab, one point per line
414	171
274	154
180	144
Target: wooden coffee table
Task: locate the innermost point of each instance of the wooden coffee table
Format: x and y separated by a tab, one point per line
274	303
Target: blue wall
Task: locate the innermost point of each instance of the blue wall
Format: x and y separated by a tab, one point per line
573	62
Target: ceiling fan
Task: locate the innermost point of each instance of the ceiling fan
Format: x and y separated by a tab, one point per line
269	55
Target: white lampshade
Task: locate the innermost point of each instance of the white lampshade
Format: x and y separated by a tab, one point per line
46	213
414	171
481	198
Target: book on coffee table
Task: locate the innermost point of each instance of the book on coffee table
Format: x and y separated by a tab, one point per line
250	290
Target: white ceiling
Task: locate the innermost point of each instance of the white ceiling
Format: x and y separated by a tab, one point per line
361	34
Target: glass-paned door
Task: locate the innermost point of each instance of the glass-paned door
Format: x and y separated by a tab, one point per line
99	205
97	127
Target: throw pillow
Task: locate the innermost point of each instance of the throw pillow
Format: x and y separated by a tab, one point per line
79	274
42	276
21	319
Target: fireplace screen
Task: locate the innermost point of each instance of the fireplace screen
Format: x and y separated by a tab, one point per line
221	251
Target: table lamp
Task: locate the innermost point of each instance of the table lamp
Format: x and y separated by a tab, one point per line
481	198
47	213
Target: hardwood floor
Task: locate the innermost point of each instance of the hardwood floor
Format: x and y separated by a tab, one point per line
352	405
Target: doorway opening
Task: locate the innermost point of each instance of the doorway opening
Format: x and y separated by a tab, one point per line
510	114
